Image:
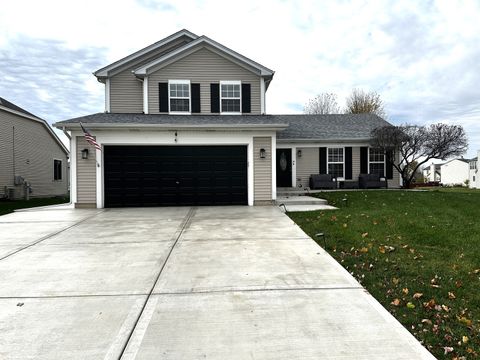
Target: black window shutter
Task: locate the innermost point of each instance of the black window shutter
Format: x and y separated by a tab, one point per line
163	97
323	160
364	160
348	163
389	164
246	99
195	88
214	98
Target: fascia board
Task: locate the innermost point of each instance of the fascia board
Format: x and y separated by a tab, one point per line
103	72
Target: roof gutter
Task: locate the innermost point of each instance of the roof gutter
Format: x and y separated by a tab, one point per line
323	140
100	126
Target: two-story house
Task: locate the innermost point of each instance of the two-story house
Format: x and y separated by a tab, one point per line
185	124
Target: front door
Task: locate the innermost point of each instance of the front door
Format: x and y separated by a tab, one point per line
284	167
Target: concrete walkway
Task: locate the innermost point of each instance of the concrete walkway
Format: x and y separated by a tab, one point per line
182	283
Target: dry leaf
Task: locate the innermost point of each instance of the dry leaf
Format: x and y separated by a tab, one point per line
364	235
405	291
451	295
364	250
417	295
465	339
395	302
447	349
396	281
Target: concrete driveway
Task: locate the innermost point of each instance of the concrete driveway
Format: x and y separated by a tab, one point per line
182	283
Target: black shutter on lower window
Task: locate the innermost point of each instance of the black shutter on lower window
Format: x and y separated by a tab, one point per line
214	98
348	163
163	97
323	160
246	99
390	155
195	98
364	160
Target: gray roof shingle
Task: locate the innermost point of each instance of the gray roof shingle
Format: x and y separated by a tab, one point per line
12	106
300	127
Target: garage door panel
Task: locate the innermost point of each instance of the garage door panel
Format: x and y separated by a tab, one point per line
175	175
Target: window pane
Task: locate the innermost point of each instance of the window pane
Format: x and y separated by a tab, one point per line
57	170
230	105
335	155
230	91
336	170
377	168
180	105
376	155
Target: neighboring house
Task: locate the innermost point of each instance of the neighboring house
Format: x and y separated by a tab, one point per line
432	173
473	175
455	172
185	123
33	160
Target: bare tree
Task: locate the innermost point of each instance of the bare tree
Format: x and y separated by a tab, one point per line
325	103
362	102
417	145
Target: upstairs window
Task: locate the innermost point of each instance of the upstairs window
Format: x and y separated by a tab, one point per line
57	170
179	96
230	97
376	159
335	162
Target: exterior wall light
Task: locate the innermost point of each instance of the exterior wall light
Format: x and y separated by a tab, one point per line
263	153
299	153
85	154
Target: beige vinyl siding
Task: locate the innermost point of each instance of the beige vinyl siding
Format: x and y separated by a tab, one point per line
307	165
203	67
355	162
126	91
262	170
28	147
86	173
395	182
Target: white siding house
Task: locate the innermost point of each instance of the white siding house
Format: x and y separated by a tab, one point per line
473	175
455	172
432	173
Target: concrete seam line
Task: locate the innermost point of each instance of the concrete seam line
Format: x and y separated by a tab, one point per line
49	236
182	227
124	330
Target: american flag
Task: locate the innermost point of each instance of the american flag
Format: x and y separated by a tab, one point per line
90	139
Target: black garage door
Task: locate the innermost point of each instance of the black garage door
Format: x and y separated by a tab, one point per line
175	175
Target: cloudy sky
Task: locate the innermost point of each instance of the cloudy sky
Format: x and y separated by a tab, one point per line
422	56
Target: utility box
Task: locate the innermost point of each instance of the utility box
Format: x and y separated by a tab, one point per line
18	180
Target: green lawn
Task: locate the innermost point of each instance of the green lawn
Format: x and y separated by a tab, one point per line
418	253
7	206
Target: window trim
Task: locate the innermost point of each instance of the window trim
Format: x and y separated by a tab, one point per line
231	82
378	162
61	169
341	178
176	97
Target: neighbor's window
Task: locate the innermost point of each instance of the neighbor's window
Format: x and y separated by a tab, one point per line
473	165
179	96
57	169
230	97
335	162
376	160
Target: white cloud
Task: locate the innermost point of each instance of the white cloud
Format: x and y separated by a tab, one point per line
420	56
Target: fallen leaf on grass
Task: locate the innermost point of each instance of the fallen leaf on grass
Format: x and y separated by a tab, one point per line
333	218
445	308
364	250
395	280
427	321
405	291
410	305
447	349
451	295
465	339
465	321
386	249
417	295
395	302
429	304
364	235
345	225
458	283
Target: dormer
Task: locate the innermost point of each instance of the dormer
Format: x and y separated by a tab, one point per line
185	74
